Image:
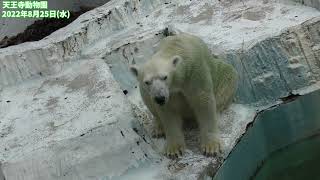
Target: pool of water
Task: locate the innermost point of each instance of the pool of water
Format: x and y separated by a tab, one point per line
299	161
283	143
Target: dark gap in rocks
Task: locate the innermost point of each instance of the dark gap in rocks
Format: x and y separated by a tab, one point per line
144	139
249	125
41	29
135	130
291	97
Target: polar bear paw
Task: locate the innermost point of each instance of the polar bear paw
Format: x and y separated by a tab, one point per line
211	148
174	150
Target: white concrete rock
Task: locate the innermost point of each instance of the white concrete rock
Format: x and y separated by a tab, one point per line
70	109
73	125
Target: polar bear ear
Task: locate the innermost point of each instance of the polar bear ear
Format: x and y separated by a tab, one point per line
176	60
134	70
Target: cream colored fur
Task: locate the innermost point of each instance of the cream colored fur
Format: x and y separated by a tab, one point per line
188	83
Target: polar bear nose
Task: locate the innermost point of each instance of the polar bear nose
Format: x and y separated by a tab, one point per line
160	100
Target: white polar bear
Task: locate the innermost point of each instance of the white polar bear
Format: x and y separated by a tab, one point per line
182	80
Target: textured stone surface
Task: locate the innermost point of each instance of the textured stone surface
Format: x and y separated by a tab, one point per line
90	135
311	3
73	125
278	65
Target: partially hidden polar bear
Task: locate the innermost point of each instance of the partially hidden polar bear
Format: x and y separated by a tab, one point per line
182	80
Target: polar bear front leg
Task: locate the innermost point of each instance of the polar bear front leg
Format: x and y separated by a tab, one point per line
172	125
204	106
158	131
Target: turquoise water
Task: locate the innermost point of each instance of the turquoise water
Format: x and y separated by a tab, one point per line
300	161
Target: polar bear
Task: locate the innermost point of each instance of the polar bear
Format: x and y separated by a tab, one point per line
182	80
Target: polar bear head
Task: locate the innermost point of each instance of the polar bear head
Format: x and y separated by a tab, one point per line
156	77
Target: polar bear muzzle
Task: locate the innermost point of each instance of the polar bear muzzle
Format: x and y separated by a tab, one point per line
161	100
159	91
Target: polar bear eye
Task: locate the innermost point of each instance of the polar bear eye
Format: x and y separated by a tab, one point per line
164	78
147	83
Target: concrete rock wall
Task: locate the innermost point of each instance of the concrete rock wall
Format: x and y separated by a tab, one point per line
277	66
311	3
